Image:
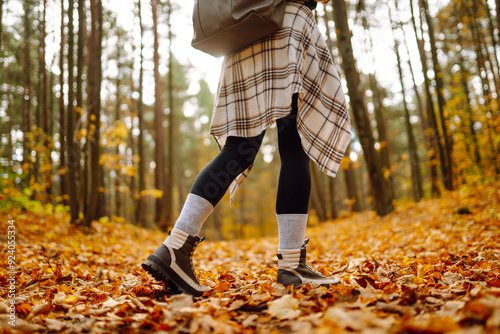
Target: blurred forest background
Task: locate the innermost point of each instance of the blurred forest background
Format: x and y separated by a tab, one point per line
79	133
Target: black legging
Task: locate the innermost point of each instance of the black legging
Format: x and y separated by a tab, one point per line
294	185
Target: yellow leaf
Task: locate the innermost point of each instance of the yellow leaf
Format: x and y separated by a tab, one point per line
285	307
71	300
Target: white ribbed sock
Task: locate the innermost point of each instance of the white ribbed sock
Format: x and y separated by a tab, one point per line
195	211
291	230
176	239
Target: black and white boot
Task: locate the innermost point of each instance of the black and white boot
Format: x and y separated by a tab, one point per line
172	263
293	269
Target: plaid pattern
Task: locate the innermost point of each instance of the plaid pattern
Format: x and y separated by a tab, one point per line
257	84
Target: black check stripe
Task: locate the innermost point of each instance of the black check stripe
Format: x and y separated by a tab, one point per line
257	84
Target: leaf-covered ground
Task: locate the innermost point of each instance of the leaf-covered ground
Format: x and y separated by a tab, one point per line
431	267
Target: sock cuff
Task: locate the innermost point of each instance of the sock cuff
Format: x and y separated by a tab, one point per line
179	232
291	215
288	251
200	200
176	239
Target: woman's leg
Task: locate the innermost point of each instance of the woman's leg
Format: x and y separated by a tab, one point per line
294	185
213	181
236	156
294	188
172	261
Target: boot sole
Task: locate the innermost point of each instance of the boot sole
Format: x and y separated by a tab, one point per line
299	284
162	272
158	274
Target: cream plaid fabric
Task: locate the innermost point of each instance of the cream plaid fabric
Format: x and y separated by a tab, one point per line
257	84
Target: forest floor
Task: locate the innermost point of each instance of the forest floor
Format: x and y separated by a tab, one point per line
431	267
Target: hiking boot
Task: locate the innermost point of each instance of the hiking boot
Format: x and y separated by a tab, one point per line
293	269
172	263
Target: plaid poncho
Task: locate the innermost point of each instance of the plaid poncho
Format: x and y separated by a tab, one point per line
257	84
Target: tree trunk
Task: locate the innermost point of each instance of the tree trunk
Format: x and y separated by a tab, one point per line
37	138
82	183
379	114
317	196
424	128
438	77
9	124
94	107
485	85
26	102
1	25
73	158
217	219
62	115
434	137
160	177
498	17
118	193
384	198
468	105
46	112
142	156
382	131
491	30
331	195
350	182
130	209
412	146
171	124
416	175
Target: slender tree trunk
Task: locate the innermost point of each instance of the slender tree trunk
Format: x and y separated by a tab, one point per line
485	85
1	25
317	196
487	60
46	112
118	193
331	195
73	158
10	122
438	77
331	184
424	127
416	175
379	115
130	209
36	146
468	105
434	137
384	198
350	182
94	107
382	131
412	146
160	177
80	64
50	131
171	124
497	2
26	102
140	139
491	30
217	219
243	216
62	114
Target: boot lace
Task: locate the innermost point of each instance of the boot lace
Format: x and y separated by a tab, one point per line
191	257
306	264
